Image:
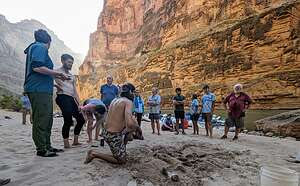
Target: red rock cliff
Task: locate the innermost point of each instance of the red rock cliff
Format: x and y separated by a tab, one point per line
186	43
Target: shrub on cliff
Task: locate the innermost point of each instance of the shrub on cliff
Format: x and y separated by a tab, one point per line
11	103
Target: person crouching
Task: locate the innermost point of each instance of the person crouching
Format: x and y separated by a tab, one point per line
93	107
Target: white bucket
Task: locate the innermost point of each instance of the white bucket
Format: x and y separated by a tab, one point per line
278	176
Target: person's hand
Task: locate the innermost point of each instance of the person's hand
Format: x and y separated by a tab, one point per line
128	137
58	87
63	76
139	133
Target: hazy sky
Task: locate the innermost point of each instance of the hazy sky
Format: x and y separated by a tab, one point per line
71	20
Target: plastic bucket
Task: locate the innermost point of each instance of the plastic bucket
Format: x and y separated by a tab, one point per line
278	176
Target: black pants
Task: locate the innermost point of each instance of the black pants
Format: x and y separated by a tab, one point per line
69	109
139	118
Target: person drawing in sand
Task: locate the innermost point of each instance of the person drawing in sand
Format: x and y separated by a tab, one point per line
119	128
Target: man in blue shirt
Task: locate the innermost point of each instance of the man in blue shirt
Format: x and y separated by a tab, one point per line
109	91
207	109
38	86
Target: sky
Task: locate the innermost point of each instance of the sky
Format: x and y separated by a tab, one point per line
71	20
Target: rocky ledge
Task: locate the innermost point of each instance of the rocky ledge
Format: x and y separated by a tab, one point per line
284	124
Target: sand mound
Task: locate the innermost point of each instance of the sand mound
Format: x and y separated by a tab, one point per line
193	163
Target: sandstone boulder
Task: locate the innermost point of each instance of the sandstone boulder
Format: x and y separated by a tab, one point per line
285	124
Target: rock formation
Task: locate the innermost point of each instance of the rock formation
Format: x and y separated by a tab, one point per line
187	43
14	38
285	124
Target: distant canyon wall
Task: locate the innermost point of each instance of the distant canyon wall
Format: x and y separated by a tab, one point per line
14	38
188	43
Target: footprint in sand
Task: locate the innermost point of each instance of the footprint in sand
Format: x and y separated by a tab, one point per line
4	167
26	168
10	150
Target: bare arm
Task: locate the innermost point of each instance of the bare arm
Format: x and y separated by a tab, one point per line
88	107
47	71
130	121
213	107
76	93
175	102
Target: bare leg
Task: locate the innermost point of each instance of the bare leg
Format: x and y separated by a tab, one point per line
97	132
89	130
194	126
210	130
66	143
76	142
109	158
177	126
206	128
153	126
237	131
182	124
158	127
24	112
30	116
226	131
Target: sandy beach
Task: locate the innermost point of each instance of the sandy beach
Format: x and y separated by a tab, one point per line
197	160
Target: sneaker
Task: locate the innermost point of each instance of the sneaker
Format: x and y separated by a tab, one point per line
224	137
183	133
46	153
176	133
234	138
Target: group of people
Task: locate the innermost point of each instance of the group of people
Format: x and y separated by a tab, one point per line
118	112
114	107
235	104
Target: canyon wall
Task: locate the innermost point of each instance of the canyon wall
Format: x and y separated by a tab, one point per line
188	43
14	38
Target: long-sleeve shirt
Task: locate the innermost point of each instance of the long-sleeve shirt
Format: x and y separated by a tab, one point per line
138	104
155	104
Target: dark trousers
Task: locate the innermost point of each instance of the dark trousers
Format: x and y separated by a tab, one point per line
42	116
69	109
139	118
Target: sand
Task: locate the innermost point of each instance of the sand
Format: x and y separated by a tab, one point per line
196	160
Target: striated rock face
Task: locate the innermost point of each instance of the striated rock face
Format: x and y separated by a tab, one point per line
14	38
187	43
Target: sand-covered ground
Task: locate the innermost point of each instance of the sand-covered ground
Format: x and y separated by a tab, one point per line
197	160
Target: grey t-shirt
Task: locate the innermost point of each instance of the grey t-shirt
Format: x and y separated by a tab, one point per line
155	109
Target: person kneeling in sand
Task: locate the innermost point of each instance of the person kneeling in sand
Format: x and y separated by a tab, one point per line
97	108
119	128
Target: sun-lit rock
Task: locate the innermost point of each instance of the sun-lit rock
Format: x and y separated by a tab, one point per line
187	43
